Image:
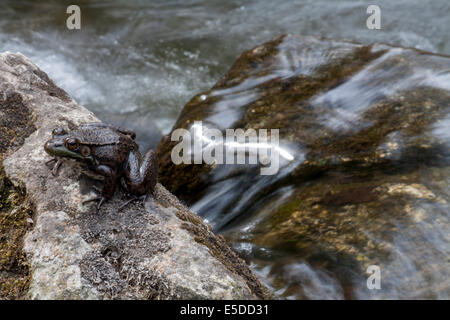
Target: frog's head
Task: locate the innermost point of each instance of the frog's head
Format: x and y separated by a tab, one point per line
63	144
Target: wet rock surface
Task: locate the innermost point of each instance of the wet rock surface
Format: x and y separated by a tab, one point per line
53	247
367	128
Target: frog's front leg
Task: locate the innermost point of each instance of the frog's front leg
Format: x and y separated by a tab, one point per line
109	185
58	161
141	174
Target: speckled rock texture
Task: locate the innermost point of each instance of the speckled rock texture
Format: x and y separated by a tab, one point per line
66	250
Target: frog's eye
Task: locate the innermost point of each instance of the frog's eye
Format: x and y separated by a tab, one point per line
71	143
58	132
85	151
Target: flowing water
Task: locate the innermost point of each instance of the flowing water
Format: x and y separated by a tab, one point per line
305	228
136	63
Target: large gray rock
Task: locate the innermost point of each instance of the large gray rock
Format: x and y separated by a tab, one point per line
162	251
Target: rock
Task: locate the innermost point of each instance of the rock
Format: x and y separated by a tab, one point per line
367	128
70	251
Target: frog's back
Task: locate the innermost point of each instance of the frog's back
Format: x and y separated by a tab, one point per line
100	136
108	146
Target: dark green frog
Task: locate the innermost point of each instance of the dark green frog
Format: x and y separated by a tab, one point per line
111	152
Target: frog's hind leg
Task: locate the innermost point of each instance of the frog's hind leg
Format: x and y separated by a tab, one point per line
58	161
150	168
109	185
141	174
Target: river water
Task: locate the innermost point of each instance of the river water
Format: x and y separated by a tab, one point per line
137	63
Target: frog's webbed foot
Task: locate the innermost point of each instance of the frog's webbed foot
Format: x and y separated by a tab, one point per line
134	198
58	162
100	200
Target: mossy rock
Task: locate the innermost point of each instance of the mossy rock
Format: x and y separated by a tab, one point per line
15	215
300	96
15	211
368	128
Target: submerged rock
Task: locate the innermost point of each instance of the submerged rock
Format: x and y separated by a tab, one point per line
367	128
53	247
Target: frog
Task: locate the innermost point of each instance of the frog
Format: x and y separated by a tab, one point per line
109	151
